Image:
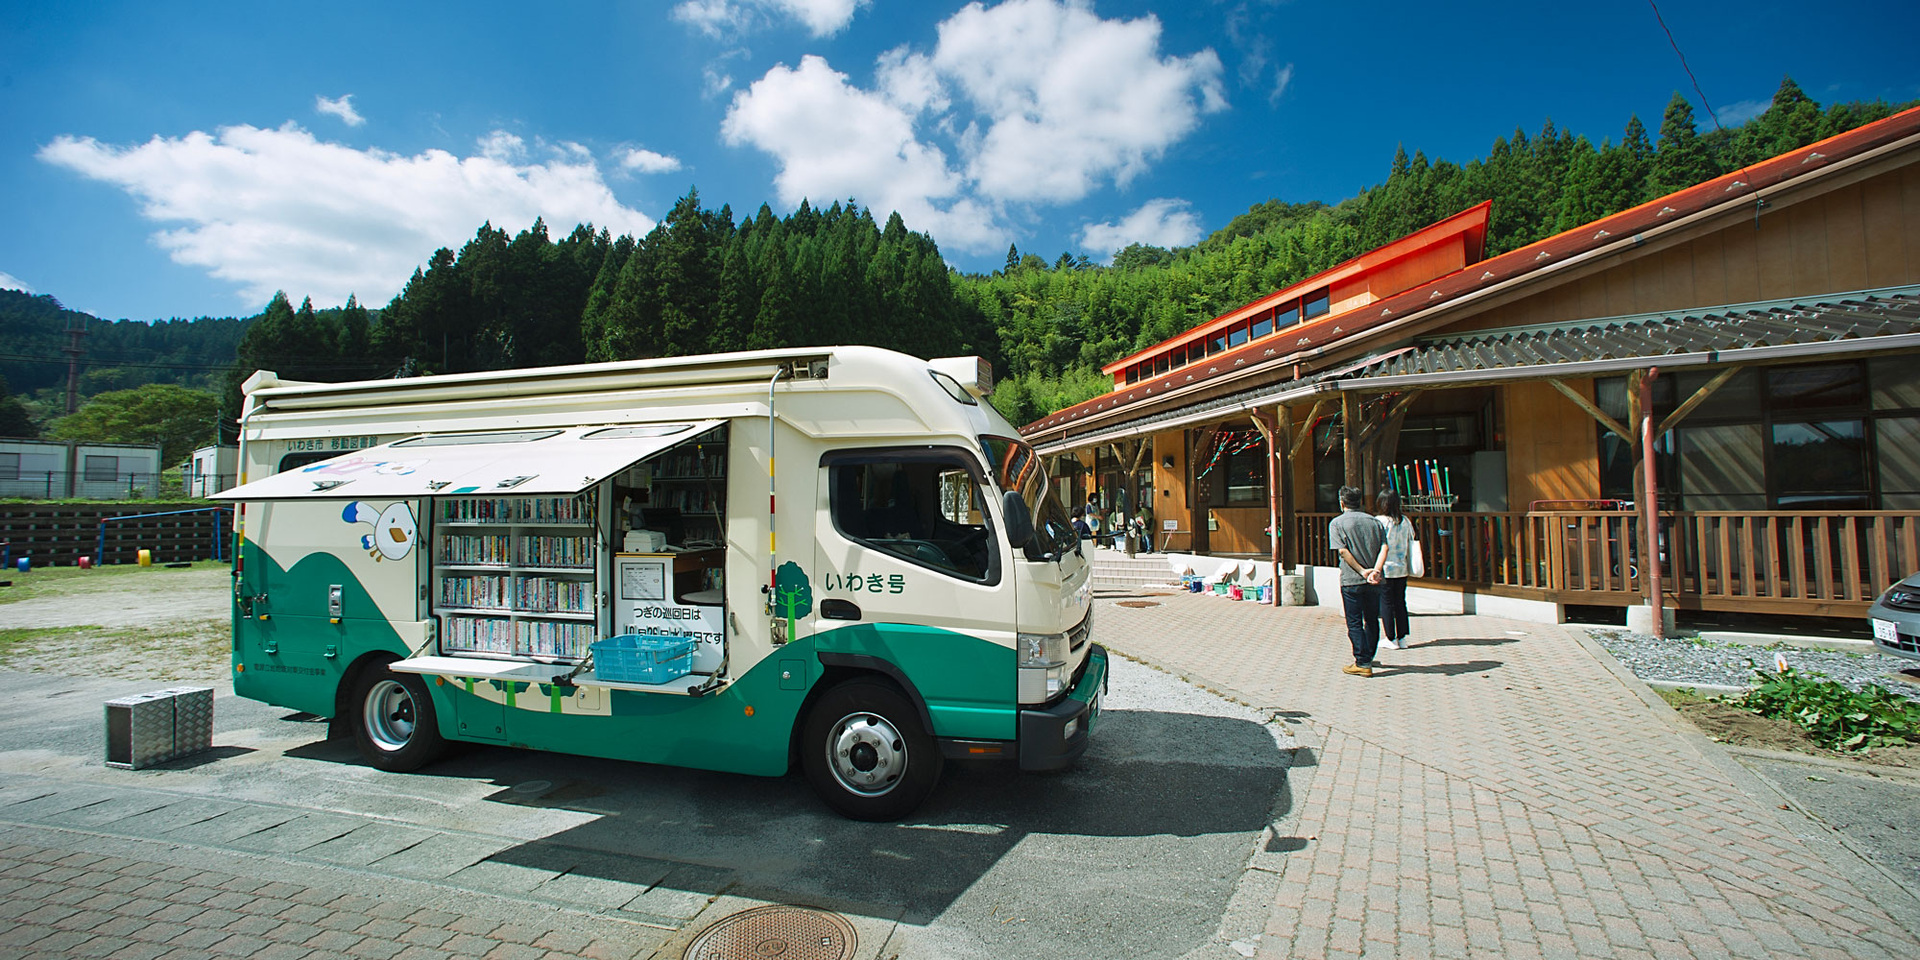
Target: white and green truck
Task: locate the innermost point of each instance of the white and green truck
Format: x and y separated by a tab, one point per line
607	560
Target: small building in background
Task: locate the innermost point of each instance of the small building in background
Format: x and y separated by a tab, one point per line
70	469
211	470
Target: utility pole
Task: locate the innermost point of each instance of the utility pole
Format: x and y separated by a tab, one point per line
73	353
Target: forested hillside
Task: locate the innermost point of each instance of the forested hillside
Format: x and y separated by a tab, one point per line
702	281
120	354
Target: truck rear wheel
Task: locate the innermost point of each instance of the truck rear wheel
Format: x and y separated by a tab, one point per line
866	754
394	723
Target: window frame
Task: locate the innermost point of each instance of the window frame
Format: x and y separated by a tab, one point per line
935	454
90	473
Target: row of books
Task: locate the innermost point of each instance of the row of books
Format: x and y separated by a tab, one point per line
526	638
522	594
517	509
532	551
695	461
689	499
547	595
554	551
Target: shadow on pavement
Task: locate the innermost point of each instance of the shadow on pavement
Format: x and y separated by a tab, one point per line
1443	669
1181	793
1465	642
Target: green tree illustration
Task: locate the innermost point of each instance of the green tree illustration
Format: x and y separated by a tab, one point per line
793	594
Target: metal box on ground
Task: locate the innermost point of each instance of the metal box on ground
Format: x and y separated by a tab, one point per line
192	719
149	728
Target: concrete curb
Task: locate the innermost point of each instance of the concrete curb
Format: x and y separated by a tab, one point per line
1769	639
1872	880
1711	689
1855	767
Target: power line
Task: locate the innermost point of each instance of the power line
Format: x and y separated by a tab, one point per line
1711	115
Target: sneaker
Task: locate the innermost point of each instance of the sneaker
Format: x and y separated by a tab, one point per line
1399	644
1357	670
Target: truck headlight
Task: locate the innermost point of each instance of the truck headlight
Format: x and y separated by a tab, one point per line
1043	666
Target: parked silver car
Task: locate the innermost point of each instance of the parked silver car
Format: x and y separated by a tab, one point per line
1895	618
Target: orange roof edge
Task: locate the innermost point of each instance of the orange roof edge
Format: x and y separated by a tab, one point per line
1471	222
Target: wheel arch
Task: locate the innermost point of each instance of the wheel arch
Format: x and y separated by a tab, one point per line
837	668
340	724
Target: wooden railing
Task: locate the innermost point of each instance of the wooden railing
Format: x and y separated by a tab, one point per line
1818	563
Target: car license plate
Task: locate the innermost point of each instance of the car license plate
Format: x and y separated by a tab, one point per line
1885	632
1093	710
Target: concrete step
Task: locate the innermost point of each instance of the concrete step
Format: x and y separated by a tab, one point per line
1114	568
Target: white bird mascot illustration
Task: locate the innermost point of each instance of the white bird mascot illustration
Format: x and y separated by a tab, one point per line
393	529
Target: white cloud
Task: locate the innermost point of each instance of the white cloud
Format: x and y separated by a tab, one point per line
1282	79
720	18
715	18
646	161
1735	114
835	141
1039	102
10	282
1161	222
342	108
278	209
1067	99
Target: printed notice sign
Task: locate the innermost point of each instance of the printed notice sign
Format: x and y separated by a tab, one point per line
643	578
645	606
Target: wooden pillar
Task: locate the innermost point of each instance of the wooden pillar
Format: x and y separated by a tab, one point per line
1283	481
1198	440
1350	437
1269	428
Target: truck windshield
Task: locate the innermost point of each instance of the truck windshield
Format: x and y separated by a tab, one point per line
1016	466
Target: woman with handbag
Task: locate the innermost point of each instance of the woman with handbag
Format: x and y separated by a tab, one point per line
1399	558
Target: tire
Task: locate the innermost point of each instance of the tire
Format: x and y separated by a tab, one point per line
866	753
393	720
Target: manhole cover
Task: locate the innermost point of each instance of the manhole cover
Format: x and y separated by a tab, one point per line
776	933
1139	603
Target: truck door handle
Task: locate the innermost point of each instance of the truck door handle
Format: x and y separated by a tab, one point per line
839	610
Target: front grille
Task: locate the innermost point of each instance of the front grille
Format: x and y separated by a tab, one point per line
1907	642
1078	637
1904	598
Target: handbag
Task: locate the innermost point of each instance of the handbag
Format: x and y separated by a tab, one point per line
1419	562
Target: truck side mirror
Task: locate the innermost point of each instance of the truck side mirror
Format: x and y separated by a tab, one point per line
1019	519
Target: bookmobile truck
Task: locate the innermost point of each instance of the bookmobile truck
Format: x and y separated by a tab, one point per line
607	560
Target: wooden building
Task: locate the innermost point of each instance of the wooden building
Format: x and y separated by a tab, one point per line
1762	328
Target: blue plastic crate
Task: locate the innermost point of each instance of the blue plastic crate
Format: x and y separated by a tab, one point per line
634	658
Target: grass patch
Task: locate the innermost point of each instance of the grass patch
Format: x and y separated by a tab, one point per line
176	651
17	639
1680	698
68	581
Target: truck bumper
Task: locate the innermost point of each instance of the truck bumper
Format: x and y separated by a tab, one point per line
1052	738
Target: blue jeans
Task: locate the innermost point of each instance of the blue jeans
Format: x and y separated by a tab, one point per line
1363	620
1393	608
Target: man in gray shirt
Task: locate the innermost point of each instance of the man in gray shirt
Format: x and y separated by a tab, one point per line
1357	537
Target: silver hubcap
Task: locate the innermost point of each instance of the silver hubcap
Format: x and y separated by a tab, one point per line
867	754
389	715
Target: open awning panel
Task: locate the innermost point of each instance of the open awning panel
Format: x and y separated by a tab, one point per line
518	463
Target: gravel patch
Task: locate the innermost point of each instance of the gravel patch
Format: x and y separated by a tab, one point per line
1692	660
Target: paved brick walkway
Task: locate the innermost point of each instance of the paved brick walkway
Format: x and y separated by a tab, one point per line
1501	789
64	894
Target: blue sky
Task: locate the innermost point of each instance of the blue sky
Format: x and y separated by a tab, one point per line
166	159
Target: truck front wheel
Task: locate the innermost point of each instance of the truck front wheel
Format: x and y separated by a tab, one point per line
866	754
394	724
